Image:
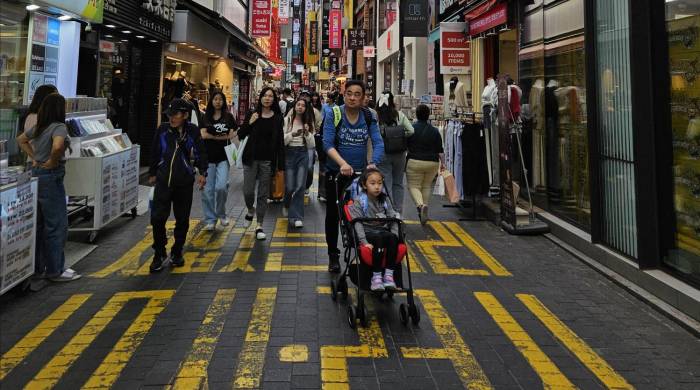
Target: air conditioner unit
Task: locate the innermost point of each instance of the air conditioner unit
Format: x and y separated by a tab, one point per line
283	43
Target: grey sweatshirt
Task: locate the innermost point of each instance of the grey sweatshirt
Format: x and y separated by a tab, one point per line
375	209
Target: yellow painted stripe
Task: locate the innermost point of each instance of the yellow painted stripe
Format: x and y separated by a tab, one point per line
220	237
52	372
424	353
196	262
107	373
578	347
416	266
41	332
193	370
275	260
427	248
287	244
294	353
192	232
239	262
252	357
478	250
466	366
552	377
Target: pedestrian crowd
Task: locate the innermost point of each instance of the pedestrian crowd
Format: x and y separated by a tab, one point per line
278	144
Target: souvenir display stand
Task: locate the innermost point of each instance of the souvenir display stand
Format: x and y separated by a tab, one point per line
102	172
18	213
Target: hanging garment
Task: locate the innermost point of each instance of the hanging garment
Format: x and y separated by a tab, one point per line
475	177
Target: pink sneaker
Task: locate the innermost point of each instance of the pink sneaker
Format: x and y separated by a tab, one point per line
389	282
377	284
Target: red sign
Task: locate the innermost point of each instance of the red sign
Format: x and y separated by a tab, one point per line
489	20
334	19
453	40
261	19
455	58
454	48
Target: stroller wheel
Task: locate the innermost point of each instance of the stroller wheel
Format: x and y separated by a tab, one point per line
342	287
334	290
414	313
403	313
361	311
352	317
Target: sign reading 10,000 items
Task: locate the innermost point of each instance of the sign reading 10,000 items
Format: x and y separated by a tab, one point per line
17	233
120	190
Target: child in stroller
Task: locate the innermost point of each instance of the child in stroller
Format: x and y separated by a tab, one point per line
382	238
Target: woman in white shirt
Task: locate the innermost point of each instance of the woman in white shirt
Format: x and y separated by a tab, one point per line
298	139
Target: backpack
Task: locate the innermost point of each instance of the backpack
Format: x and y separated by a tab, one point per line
288	107
395	140
338	119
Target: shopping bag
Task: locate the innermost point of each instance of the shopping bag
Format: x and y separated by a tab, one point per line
450	186
239	156
231	153
151	193
277	186
439	188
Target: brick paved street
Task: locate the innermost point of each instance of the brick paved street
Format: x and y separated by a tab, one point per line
497	311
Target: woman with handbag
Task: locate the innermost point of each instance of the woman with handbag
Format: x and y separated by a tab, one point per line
395	128
425	157
218	129
299	140
262	155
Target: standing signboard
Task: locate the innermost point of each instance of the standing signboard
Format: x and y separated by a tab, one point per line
18	204
454	51
506	154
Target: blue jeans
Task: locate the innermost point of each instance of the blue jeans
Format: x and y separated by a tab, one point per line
52	221
215	192
296	167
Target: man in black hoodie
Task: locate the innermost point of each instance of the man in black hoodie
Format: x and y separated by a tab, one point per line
176	151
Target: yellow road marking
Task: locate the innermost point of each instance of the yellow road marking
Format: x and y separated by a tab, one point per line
41	332
323	289
274	263
61	362
468	241
107	373
295	353
416	266
193	370
287	244
578	347
551	376
282	227
427	247
252	357
466	366
239	262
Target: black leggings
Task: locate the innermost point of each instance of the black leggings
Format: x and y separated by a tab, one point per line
332	218
383	241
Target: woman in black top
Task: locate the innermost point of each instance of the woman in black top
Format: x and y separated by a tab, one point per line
218	128
425	156
262	155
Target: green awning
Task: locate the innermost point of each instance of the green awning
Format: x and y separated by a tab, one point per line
434	35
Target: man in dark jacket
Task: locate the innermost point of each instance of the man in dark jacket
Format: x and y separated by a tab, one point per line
176	151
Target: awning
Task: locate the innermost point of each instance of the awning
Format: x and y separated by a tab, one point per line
190	28
479	10
434	35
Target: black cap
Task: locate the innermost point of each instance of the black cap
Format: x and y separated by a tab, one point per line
178	105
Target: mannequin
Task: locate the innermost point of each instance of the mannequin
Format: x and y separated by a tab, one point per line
538	146
456	96
488	108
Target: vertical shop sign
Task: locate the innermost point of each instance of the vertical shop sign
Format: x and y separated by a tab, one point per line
335	22
284	11
414	18
261	15
325	28
506	154
313	37
243	99
369	74
357	39
454	53
431	69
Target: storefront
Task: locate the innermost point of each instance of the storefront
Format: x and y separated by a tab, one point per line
38	45
388	60
129	73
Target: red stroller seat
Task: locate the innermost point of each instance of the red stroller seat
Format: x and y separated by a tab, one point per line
366	253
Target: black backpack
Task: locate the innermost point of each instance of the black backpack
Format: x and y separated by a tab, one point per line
394	137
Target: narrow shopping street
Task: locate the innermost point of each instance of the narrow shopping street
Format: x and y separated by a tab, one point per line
497	311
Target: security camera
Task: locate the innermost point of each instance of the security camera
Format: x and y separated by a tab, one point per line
88	28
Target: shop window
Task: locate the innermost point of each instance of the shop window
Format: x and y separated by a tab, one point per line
682	21
13	56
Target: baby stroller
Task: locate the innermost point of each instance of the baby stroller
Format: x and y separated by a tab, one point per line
358	263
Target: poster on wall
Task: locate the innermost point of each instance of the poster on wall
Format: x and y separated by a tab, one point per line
335	22
283	11
261	19
454	50
43	61
17	233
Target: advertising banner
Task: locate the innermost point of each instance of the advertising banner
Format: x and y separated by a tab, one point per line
335	19
357	39
284	11
414	18
454	51
43	63
489	20
313	37
90	10
261	19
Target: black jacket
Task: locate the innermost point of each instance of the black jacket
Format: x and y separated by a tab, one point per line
174	157
276	143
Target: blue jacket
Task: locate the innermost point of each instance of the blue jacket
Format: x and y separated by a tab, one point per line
351	140
174	157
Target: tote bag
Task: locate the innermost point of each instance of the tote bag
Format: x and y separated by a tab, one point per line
239	156
231	153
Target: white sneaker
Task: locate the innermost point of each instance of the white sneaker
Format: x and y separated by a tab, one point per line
298	224
225	221
285	211
209	227
68	275
259	234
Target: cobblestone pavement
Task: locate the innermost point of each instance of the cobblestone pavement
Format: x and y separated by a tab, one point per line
497	311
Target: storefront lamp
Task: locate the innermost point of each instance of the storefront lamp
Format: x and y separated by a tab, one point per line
110	26
65	17
109	36
126	32
32	7
140	36
152	40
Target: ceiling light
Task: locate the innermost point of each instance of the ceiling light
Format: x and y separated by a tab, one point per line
126	32
125	40
140	36
198	49
109	36
64	17
182	43
152	40
110	26
32	7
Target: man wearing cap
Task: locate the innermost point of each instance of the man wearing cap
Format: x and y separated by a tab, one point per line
177	152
